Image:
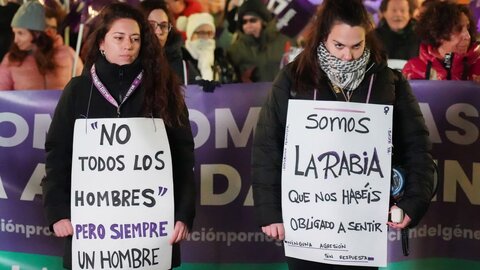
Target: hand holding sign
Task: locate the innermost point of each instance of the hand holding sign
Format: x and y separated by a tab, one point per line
180	232
122	199
275	231
63	228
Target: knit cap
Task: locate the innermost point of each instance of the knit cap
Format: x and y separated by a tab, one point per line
31	15
191	23
254	7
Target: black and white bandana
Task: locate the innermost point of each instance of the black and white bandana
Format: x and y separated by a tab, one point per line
346	74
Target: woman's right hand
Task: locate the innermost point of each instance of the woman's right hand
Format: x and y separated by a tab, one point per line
275	231
63	228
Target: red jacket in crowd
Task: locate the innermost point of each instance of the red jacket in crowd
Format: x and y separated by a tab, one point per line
463	66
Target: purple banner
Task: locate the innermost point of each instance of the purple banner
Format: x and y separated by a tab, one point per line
223	124
292	16
24	120
449	229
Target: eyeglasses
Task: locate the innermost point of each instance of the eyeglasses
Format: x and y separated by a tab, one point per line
204	34
51	26
164	26
251	20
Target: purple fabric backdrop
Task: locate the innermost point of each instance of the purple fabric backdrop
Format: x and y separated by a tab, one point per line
226	233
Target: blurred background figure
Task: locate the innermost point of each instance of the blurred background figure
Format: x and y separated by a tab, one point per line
231	9
6	35
54	16
200	43
449	50
33	62
162	21
423	6
184	7
200	48
257	50
396	31
218	9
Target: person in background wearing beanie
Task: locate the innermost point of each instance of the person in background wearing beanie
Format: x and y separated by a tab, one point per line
200	49
218	9
33	62
161	19
258	49
6	36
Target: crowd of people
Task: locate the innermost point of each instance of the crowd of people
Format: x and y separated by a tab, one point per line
141	56
229	41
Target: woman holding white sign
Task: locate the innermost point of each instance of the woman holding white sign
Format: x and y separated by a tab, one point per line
127	77
341	62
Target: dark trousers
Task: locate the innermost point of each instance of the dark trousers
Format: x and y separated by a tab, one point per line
297	264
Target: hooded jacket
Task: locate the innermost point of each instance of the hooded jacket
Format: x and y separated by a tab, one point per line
263	55
430	66
410	139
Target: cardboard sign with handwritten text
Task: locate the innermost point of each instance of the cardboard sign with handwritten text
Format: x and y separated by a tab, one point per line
122	194
336	180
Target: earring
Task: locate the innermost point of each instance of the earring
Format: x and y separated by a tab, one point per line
102	52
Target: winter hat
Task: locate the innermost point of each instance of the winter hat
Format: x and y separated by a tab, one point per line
254	7
31	15
191	23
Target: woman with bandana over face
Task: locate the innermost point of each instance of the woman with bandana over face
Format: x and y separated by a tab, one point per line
449	50
341	62
200	50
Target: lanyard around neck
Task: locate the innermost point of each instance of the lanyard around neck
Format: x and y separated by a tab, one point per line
106	94
341	95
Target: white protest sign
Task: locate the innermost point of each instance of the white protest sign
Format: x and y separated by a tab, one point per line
122	194
336	182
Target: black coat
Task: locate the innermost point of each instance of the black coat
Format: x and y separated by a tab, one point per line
175	57
75	103
404	44
410	140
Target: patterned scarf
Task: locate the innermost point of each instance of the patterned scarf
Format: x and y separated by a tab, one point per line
346	74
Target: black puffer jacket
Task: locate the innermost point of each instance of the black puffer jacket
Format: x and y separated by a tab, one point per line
410	139
404	44
75	103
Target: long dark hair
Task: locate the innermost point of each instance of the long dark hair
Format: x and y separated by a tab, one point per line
352	12
43	54
163	93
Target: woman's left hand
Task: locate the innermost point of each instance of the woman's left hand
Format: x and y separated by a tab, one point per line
399	225
180	232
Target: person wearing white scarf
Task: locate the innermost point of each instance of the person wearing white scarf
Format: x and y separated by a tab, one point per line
200	43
